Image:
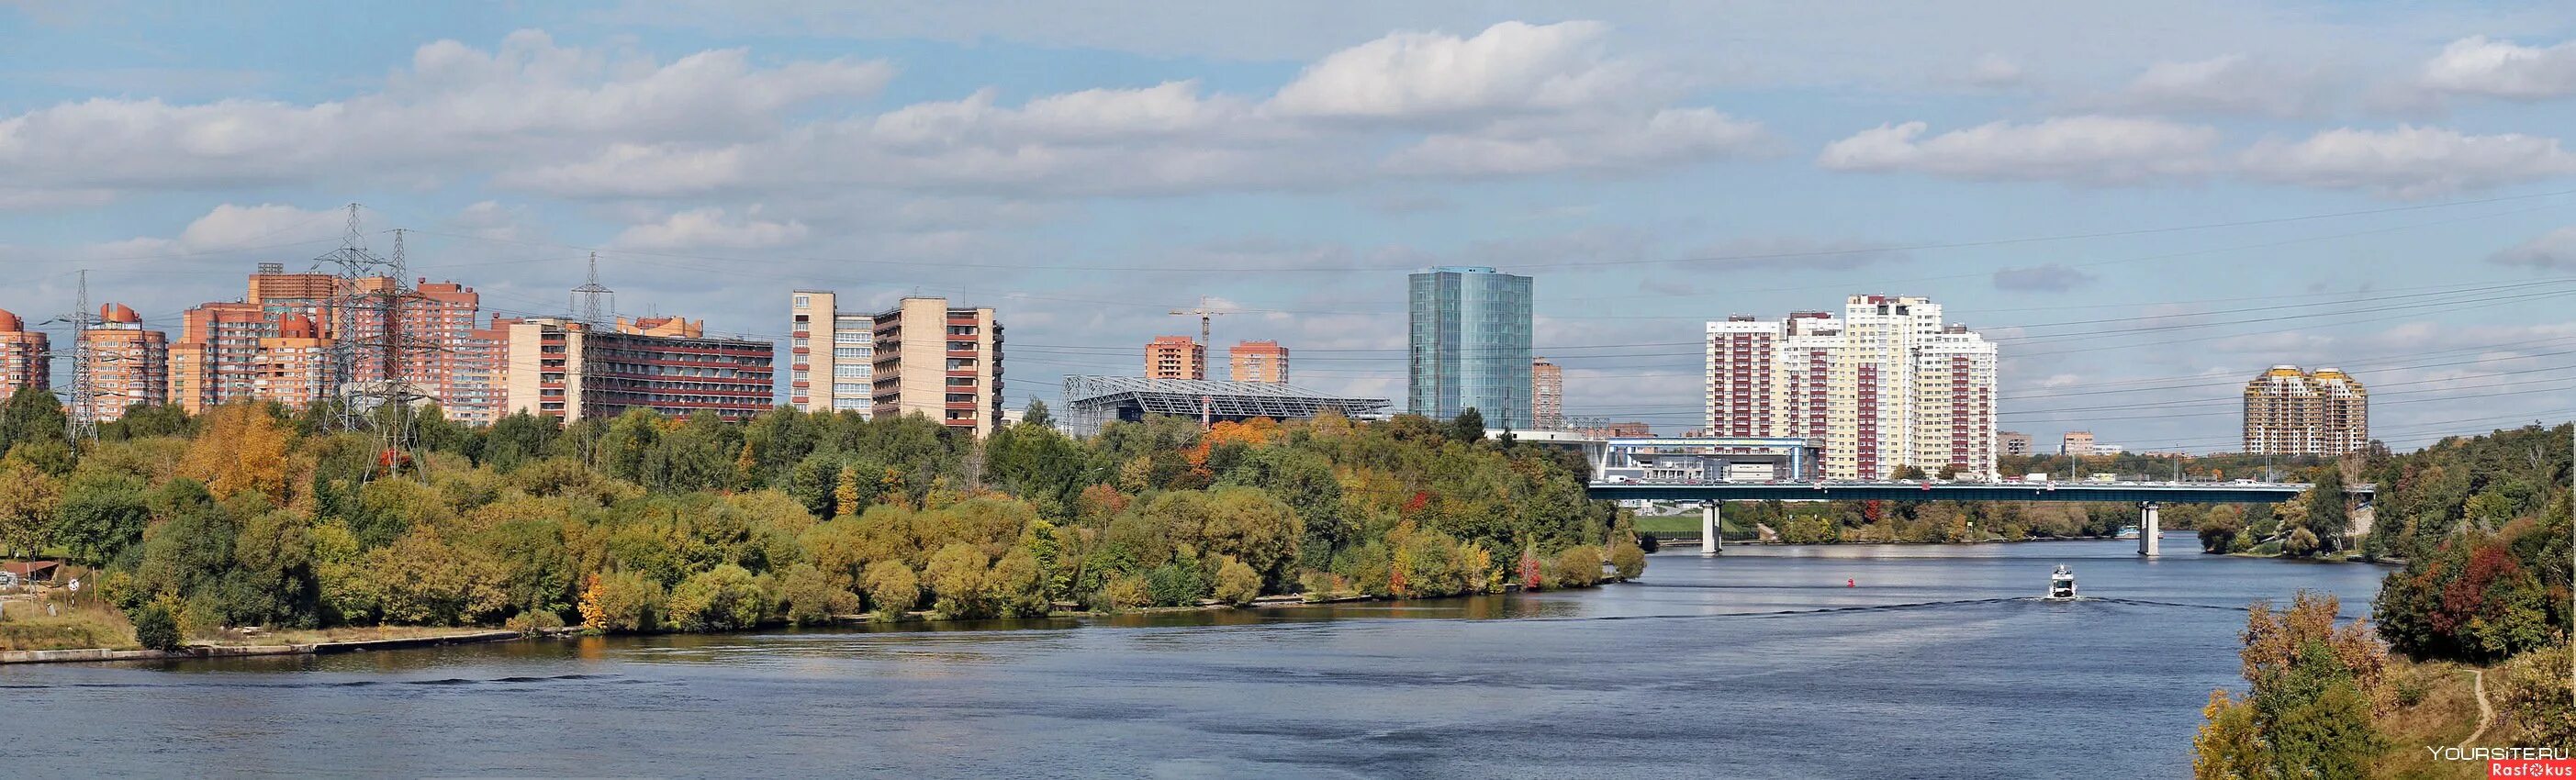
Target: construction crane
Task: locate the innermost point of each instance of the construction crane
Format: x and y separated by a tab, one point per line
1206	315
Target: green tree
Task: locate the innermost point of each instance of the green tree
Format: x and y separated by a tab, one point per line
155	628
892	588
1037	415
102	515
2309	711
724	598
31	415
1468	427
2328	517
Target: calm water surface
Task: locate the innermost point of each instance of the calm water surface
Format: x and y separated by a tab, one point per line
1708	668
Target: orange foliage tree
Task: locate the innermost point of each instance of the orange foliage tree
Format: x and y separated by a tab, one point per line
242	448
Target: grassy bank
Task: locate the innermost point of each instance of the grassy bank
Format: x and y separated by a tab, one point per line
2435	705
25	626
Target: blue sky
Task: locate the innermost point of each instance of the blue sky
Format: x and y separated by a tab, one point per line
2144	205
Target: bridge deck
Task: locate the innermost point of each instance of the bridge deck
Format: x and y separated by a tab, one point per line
2125	492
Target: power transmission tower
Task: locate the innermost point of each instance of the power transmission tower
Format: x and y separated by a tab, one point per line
1207	404
367	328
588	299
81	423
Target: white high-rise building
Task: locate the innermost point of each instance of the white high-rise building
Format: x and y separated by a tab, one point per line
1886	385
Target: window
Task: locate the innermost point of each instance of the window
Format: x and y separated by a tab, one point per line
853	337
800	375
799	343
804	301
850	353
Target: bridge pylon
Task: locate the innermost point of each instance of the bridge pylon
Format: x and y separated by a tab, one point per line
2149	528
1709	543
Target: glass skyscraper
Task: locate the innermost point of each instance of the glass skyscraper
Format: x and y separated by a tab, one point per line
1471	345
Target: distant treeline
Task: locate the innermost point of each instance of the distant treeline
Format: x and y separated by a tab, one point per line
255	515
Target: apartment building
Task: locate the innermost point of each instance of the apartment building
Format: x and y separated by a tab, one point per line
940	362
1547	395
2076	443
25	358
831	355
2013	442
1886	384
575	370
2293	412
1175	357
1468	344
1258	361
127	363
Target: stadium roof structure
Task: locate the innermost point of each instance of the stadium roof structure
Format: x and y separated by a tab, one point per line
1093	401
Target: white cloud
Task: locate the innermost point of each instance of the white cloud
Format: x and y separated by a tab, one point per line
2230	84
231	227
1510	67
712	228
2551	251
2479	65
1516	99
2089	149
456	106
2407	162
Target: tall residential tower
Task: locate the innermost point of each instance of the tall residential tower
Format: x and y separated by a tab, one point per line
1885	385
1470	345
2294	412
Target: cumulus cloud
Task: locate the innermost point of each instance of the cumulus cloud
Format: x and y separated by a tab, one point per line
2483	66
712	228
2407	162
2230	84
2052	277
2090	149
1510	67
2551	251
231	227
456	105
1516	99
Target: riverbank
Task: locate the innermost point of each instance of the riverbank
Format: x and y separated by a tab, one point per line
195	652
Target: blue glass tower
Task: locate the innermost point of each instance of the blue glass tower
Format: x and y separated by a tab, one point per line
1470	345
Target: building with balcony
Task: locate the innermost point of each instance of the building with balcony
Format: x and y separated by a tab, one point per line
1886	384
1547	395
25	357
128	365
831	355
1257	361
573	370
1175	357
940	362
2293	412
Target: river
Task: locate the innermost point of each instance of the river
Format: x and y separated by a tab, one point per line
1935	665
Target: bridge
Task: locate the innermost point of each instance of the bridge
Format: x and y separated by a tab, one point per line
2149	496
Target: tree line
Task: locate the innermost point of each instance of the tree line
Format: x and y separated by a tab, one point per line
253	514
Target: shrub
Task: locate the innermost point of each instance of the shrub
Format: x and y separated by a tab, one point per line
808	597
1628	560
156	627
1576	567
725	598
621	602
1236	582
892	588
1126	591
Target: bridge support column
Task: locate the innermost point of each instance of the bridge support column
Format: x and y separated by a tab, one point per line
2148	529
1709	543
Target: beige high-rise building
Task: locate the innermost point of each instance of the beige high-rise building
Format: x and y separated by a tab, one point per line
1885	385
24	357
128	365
1547	395
1258	361
939	362
2013	442
2294	412
831	355
2076	443
1175	357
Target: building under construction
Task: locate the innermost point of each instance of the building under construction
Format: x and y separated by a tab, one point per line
1092	401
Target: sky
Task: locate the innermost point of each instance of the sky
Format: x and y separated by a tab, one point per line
2144	204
